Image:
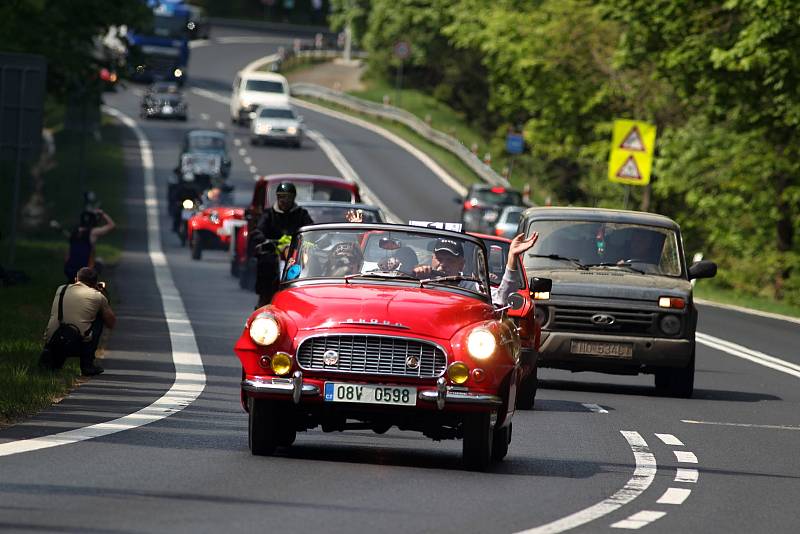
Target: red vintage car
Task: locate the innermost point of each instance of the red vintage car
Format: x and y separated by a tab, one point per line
309	187
530	330
355	339
212	228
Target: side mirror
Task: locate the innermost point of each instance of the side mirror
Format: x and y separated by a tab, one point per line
703	269
518	305
541	285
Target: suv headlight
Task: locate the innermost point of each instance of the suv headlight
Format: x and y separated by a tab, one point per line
670	324
481	343
291	130
264	329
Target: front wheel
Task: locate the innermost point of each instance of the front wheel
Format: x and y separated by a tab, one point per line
526	394
197	246
478	439
676	382
501	438
262	427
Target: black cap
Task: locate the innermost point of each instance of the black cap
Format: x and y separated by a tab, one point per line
286	187
452	246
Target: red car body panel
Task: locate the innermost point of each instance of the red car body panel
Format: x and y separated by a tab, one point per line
212	221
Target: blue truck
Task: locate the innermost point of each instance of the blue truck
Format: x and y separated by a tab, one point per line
160	52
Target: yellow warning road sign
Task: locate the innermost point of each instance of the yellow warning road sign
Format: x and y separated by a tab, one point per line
631	158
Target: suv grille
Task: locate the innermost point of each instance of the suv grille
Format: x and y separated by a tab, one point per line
625	321
373	354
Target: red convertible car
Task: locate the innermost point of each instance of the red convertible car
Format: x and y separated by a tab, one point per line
355	339
310	187
212	228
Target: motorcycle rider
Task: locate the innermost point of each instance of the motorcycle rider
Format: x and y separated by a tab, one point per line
281	219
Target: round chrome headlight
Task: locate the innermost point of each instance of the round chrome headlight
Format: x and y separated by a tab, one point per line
481	343
670	325
264	329
188	204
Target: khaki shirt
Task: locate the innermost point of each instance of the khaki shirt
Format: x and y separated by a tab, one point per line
81	306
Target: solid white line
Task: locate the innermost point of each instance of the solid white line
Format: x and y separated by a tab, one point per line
743	425
255	64
596	408
426	160
749	311
346	170
669	439
643	476
685	457
639	520
748	354
249	39
674	496
688	476
190	377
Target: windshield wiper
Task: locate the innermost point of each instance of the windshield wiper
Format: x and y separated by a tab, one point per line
394	275
574	261
451	278
624	265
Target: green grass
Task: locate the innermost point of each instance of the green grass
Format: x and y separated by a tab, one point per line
24	389
705	290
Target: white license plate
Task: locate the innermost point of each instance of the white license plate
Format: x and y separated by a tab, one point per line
602	348
370	394
187	214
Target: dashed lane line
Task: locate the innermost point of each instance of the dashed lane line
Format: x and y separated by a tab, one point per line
639	520
643	475
248	160
685	457
688	476
190	377
220	125
674	496
242	151
254	170
205	116
669	439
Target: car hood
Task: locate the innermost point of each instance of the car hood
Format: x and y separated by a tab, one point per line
407	311
612	284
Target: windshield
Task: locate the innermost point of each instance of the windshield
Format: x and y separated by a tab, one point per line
398	255
646	249
264	86
335	214
496	196
276	113
170	25
314	191
201	142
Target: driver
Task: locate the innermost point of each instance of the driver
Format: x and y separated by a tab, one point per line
344	259
448	260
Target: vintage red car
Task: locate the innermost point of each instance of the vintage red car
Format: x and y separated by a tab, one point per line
356	338
529	327
310	187
213	228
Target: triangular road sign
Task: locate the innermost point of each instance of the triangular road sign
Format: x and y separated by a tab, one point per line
633	141
629	170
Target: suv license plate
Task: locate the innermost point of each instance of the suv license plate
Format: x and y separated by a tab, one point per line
602	348
370	394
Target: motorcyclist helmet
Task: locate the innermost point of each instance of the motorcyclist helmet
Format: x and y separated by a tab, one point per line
286	188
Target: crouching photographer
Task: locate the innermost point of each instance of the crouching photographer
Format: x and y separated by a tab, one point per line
77	317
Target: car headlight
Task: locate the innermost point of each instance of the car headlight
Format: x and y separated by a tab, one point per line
291	130
670	324
188	204
481	343
264	329
178	73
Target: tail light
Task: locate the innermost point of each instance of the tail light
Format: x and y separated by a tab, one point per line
498	232
469	204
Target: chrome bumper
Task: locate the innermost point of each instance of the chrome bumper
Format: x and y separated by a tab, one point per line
293	387
445	394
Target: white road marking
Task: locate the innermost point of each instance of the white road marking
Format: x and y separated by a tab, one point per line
669	439
643	476
248	161
211	94
347	172
685	457
688	476
596	408
256	177
743	425
190	377
220	125
199	43
254	65
426	160
253	169
242	151
205	116
748	354
749	311
674	496
639	520
250	39
237	142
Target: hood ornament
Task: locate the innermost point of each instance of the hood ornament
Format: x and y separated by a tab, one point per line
603	319
330	357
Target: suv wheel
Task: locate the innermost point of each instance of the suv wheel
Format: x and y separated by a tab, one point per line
676	382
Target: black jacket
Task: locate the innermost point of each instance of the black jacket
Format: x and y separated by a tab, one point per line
274	224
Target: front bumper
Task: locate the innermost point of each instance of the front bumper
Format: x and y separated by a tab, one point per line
440	396
279	137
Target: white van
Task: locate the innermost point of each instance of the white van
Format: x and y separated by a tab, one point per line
253	89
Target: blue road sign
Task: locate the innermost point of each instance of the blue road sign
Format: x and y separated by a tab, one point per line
515	143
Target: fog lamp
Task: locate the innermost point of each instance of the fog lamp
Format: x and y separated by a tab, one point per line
264	362
458	372
281	363
478	375
670	325
540	315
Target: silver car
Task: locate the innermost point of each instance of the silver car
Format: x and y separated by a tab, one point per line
276	123
508	221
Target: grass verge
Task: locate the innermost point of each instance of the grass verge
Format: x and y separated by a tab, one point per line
729	296
24	389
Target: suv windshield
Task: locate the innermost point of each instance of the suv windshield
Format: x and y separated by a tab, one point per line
632	247
399	255
263	86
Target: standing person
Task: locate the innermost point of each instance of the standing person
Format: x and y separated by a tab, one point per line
85	306
278	222
92	225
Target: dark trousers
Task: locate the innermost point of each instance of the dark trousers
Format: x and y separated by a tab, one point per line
90	347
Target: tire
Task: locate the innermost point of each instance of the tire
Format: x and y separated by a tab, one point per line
235	267
526	395
501	438
253	141
246	277
262	423
676	382
478	439
197	246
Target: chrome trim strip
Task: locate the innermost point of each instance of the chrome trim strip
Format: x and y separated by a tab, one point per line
461	397
280	386
441	392
343	334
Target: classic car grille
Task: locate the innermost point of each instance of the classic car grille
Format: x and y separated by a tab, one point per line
373	354
625	321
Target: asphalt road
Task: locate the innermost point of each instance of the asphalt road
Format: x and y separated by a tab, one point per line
597	451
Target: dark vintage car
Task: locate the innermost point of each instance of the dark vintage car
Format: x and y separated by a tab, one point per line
164	100
204	158
352	340
621	300
482	206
